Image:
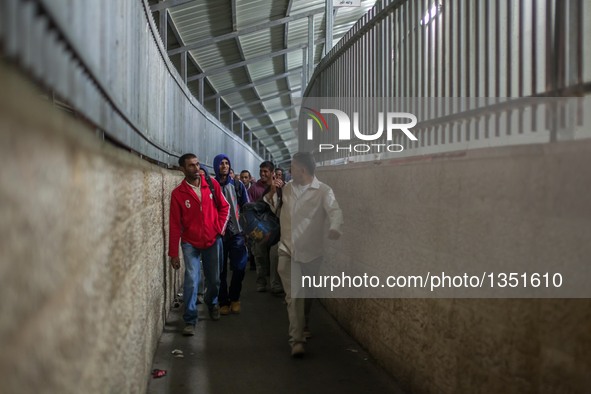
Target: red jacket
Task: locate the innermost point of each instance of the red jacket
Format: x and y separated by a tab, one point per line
193	221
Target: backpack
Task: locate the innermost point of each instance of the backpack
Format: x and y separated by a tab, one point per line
210	184
259	223
211	189
238	190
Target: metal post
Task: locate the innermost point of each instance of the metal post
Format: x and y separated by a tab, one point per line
329	23
164	27
304	68
184	66
232	121
310	63
242	130
201	89
218	104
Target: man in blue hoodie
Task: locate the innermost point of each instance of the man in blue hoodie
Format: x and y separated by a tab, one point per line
233	242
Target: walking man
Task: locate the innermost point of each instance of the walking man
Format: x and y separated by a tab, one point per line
234	240
198	216
265	261
307	206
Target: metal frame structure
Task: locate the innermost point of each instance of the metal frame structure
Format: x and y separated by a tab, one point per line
439	51
251	59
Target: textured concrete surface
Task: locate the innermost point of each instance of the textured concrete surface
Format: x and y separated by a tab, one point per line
249	353
520	206
84	282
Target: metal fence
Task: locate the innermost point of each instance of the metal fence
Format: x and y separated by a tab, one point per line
106	60
513	51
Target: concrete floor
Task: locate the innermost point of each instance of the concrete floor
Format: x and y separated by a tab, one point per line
249	353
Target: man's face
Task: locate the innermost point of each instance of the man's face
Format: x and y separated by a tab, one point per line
279	174
297	172
191	169
245	178
224	167
265	174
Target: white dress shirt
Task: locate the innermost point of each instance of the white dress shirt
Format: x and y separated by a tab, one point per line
307	214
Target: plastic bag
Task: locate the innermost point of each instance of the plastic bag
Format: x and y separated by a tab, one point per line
259	223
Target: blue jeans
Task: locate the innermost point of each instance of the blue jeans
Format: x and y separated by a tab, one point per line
212	262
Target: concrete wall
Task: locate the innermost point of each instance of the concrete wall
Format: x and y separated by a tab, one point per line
84	282
527	204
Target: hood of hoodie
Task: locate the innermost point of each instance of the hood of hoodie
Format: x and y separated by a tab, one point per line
216	165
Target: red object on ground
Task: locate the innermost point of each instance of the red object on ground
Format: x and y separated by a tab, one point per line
158	373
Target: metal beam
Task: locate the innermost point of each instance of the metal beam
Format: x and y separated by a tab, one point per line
219	70
274	124
247	30
186	56
253	83
268	137
262	100
269	113
174	29
168	4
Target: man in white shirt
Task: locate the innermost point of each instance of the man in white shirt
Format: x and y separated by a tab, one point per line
306	207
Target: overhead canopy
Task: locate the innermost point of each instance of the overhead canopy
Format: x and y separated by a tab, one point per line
252	55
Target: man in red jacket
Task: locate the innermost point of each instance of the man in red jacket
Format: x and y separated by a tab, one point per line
198	216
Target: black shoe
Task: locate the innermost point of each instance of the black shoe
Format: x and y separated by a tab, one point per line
278	292
214	312
189	330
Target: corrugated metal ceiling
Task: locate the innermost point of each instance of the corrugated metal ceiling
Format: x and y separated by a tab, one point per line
250	54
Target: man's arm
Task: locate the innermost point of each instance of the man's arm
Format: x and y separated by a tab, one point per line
334	213
223	207
272	195
243	195
174	233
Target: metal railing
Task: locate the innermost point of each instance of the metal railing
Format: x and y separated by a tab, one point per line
440	51
106	60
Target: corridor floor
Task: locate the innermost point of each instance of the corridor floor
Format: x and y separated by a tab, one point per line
249	353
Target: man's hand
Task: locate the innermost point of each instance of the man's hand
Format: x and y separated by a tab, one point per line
175	262
278	183
334	234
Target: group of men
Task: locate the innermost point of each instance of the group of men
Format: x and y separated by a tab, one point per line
204	218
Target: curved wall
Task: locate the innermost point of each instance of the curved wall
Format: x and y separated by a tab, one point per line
106	60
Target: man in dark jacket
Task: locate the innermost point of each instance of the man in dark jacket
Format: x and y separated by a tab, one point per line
266	262
198	216
234	241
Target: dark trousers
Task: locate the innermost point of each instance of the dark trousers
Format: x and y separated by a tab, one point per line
235	251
